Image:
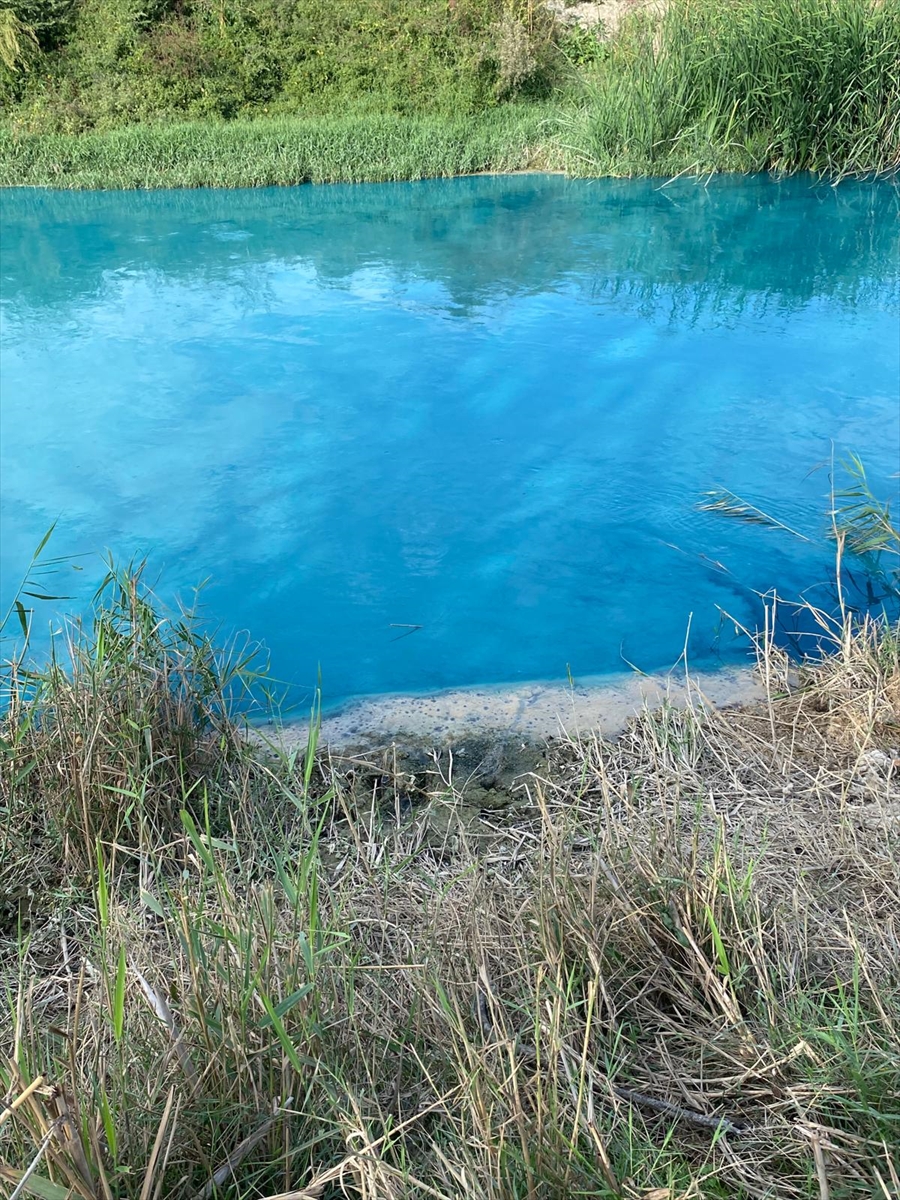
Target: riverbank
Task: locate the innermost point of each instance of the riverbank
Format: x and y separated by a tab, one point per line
661	964
533	712
698	88
284	151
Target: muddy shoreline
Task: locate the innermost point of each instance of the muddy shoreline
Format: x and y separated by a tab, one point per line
463	764
529	712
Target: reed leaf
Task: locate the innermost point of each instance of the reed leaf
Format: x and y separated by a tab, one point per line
727	504
865	522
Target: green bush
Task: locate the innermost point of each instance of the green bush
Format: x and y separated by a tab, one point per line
132	60
51	20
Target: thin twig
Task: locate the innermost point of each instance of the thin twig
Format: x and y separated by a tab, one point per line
19	1189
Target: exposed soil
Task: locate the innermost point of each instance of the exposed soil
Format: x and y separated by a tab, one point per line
605	16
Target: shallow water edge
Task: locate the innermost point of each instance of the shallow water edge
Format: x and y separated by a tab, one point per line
533	712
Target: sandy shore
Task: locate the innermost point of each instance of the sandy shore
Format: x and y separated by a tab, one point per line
532	711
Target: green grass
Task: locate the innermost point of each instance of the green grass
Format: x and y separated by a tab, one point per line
222	94
788	85
283	150
231	971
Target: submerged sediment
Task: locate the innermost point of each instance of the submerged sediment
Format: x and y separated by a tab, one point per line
532	711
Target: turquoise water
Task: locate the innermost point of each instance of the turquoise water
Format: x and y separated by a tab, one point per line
485	408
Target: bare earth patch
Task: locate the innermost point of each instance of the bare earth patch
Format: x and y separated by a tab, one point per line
605	16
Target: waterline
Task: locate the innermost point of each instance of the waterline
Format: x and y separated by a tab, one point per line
532	711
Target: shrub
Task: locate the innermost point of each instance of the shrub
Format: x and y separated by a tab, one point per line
51	20
516	59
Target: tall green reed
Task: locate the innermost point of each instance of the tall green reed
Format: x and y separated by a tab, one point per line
789	85
122	720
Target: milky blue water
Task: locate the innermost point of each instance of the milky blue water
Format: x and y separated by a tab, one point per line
485	408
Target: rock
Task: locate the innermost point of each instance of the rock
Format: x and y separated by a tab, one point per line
582	15
604	17
879	761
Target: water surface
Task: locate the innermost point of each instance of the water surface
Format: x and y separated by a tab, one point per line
485	408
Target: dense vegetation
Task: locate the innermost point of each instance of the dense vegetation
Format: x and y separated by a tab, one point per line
657	968
287	90
110	62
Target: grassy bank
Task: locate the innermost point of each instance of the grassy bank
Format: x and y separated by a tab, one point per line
661	967
117	95
283	150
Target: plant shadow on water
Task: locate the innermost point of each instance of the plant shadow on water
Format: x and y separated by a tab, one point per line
484	408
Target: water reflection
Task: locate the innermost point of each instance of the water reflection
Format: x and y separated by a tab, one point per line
485	407
478	239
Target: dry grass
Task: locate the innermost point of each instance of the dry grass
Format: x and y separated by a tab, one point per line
670	972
